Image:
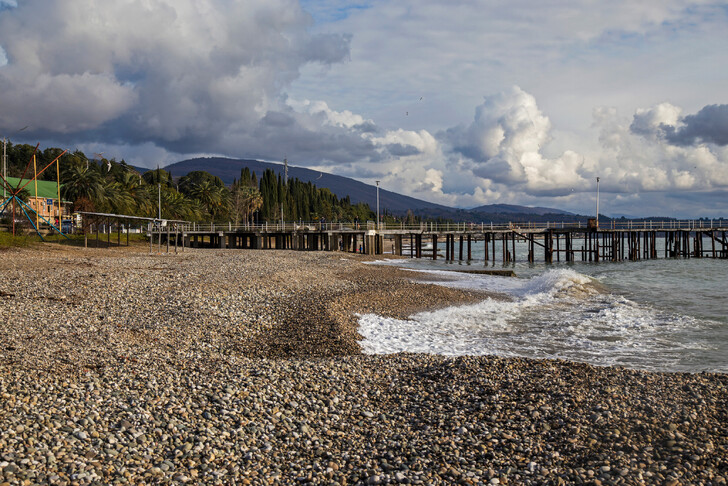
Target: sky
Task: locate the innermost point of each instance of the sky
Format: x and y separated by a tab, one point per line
462	103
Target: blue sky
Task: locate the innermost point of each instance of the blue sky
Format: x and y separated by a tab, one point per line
461	103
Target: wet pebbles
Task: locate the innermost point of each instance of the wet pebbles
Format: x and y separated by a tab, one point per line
242	367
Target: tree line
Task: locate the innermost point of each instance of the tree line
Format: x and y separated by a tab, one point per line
105	185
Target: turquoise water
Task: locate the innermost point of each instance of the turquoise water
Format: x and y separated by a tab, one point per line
661	315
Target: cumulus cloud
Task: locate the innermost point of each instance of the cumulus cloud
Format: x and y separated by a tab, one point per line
640	155
650	122
707	126
503	144
501	155
184	75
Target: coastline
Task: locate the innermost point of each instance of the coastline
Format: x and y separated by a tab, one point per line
226	366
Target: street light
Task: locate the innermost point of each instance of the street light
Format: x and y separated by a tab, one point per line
597	202
377	205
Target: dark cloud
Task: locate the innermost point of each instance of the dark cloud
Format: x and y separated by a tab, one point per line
186	76
327	48
277	120
709	125
366	127
401	150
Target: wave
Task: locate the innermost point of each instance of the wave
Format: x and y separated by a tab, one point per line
559	313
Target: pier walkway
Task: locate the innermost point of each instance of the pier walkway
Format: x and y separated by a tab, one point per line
510	242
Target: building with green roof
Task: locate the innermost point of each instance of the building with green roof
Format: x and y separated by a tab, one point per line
45	202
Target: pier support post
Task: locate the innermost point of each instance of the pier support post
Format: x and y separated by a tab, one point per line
398	245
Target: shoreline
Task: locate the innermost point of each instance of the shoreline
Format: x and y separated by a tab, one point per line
223	367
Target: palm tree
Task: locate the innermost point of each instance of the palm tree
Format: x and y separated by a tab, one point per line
81	182
117	199
251	201
176	206
212	197
138	190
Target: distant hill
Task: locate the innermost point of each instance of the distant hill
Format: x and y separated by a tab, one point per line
513	209
229	169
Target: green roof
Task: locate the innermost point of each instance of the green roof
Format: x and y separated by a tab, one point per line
46	189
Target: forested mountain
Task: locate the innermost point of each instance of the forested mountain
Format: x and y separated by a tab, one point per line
221	189
229	169
390	202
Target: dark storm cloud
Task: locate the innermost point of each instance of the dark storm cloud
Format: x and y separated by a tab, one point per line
185	76
709	125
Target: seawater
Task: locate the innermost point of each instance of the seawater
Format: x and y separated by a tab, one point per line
660	315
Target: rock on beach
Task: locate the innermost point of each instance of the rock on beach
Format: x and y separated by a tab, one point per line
242	367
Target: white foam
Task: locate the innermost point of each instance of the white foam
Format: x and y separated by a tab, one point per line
557	314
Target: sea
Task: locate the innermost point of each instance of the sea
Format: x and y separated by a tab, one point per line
658	315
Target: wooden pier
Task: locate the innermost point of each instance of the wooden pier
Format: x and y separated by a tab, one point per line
500	243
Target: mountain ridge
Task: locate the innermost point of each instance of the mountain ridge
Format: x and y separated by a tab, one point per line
228	170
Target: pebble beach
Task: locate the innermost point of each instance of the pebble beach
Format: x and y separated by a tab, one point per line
243	367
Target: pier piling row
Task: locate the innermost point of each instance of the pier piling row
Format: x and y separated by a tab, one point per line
506	245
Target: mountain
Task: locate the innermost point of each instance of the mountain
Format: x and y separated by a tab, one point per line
513	209
229	169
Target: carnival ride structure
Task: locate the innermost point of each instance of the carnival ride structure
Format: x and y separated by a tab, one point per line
13	199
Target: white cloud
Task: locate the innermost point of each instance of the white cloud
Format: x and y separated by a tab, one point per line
345	118
649	122
503	145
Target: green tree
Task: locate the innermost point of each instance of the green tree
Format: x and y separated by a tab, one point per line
214	199
188	182
81	183
244	201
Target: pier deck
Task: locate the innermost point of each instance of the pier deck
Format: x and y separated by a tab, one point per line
505	243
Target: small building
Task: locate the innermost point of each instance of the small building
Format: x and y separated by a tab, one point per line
45	202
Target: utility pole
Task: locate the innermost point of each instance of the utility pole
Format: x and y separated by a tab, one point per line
285	177
159	195
5	165
5	160
377	205
597	202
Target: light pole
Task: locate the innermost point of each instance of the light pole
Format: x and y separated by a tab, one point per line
5	166
377	205
597	202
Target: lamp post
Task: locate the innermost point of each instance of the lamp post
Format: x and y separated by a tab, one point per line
5	165
377	205
597	202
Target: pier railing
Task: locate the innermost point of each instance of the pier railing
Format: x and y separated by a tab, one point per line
454	227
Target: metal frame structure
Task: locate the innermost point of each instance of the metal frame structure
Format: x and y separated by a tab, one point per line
15	191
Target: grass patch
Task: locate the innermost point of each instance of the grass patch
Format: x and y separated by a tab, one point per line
7	240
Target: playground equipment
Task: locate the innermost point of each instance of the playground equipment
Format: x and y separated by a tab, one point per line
14	200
